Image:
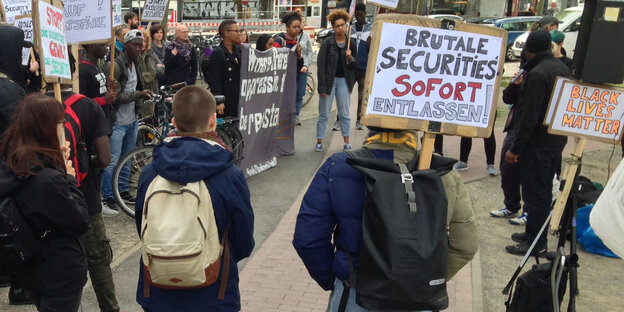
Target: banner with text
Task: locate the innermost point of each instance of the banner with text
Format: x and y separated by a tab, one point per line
591	111
267	107
13	8
435	74
51	28
117	13
154	10
87	21
25	23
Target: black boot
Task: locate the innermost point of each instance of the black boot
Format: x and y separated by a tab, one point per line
19	296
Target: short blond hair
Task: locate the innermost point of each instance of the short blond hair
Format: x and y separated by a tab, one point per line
338	14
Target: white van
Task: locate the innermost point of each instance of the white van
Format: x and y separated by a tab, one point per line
570	20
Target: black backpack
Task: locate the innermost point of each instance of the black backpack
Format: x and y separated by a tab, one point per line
18	243
404	248
534	289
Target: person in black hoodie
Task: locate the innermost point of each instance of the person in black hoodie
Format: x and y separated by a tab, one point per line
224	72
538	151
36	171
12	78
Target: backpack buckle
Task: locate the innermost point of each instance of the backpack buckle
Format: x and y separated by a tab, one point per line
45	234
407	177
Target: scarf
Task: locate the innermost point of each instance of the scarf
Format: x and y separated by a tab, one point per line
184	48
404	143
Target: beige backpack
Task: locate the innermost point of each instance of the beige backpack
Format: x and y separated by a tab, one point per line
179	239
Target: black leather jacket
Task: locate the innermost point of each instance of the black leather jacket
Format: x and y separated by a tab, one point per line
327	63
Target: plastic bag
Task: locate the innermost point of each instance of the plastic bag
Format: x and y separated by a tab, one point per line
607	216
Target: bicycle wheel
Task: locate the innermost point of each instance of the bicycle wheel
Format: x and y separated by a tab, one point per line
310	89
126	176
146	135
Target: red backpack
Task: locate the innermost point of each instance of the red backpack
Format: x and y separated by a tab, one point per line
73	133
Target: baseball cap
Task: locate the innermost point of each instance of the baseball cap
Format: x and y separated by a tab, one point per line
134	34
548	20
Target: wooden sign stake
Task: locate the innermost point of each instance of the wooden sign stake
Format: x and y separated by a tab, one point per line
426	152
568	175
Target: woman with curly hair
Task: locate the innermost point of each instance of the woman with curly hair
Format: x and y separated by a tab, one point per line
295	36
336	77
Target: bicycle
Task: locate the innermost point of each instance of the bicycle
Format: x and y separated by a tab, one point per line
129	167
310	89
227	129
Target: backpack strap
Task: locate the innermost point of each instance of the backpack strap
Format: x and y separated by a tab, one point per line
407	179
68	110
225	273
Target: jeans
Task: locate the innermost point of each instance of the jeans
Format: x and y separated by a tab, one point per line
99	257
302	80
343	98
122	142
336	295
360	74
538	165
510	178
67	302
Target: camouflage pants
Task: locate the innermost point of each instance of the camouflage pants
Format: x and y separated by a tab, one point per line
99	257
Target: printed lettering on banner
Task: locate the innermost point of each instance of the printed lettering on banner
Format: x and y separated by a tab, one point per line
13	8
391	4
154	10
54	52
25	23
87	21
116	13
438	75
585	110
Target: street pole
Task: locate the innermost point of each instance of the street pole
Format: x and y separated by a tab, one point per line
419	6
539	11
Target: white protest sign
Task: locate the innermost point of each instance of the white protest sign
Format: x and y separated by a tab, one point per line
13	8
25	23
87	21
391	4
116	13
554	98
154	10
435	75
591	111
53	46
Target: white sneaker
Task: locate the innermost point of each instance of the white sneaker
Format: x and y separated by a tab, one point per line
336	126
107	212
491	170
519	220
460	166
358	125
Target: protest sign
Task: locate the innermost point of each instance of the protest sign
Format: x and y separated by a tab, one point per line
25	23
591	111
49	26
154	10
426	78
554	98
266	107
87	21
13	8
388	4
116	13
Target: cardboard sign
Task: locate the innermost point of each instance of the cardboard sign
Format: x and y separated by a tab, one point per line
154	10
49	23
25	23
87	21
420	74
117	13
389	4
554	98
13	8
591	111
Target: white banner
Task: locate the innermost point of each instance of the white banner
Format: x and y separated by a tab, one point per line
154	10
26	24
55	55
13	8
87	20
117	13
384	3
435	74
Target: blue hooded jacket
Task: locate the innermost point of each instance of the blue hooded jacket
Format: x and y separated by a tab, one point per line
190	159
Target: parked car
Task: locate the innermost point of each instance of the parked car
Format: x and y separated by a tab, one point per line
515	26
446	16
570	20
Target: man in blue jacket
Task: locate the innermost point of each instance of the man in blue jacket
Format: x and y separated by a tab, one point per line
196	154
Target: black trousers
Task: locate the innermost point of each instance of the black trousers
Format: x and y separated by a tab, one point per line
510	178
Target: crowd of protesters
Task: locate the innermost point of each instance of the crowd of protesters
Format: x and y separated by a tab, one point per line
69	208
